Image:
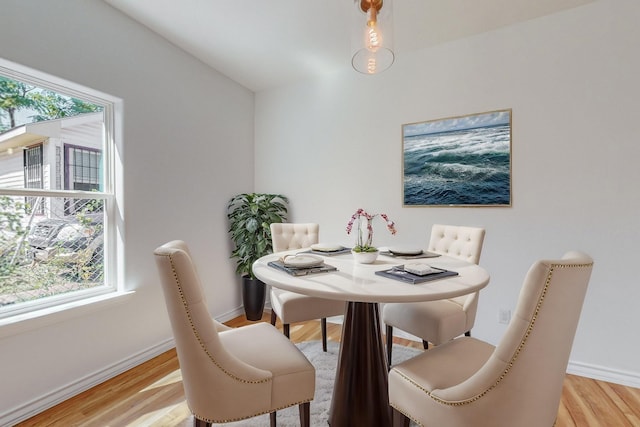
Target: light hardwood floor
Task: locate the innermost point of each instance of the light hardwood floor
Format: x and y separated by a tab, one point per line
152	395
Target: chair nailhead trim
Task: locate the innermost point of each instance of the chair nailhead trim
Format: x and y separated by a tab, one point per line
406	414
230	420
195	332
515	355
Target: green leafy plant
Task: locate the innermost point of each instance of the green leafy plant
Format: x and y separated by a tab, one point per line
11	234
16	96
250	216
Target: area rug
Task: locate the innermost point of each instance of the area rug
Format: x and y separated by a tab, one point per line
325	364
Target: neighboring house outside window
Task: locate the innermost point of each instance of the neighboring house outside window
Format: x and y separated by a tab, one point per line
56	204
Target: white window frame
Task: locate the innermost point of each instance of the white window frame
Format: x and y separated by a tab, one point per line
113	286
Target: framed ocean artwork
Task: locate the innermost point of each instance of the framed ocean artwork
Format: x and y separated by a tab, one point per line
458	161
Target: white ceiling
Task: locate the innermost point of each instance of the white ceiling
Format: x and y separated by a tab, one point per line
267	43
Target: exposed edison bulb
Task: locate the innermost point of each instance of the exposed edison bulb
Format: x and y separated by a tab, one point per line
373	37
372	65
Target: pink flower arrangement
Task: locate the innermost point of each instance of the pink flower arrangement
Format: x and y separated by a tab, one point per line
363	245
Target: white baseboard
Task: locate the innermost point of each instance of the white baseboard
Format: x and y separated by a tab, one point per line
232	314
55	397
602	373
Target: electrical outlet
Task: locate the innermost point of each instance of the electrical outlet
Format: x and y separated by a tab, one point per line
504	316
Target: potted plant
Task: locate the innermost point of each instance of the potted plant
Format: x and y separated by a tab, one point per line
250	216
364	252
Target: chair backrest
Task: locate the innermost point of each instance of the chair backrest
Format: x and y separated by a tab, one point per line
286	236
521	383
457	241
463	243
216	383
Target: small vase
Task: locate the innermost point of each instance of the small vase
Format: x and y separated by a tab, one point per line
365	257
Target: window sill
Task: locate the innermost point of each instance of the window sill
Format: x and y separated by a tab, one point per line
17	324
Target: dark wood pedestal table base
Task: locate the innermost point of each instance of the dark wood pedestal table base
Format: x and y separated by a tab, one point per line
361	394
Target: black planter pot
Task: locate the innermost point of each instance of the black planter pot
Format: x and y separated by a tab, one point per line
253	296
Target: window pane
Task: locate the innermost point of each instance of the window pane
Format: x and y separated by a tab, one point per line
83	165
52	253
39	123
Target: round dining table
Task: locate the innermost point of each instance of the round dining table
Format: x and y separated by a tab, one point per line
360	394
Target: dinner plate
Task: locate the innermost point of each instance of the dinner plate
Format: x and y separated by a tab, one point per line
405	251
302	261
326	247
421	269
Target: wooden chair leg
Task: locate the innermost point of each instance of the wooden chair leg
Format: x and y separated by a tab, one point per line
323	326
399	419
272	419
200	423
467	334
273	317
425	344
285	329
305	414
389	331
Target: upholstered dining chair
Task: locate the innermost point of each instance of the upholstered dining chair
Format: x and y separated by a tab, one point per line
229	374
467	382
439	321
292	307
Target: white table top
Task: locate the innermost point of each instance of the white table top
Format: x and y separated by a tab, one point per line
358	282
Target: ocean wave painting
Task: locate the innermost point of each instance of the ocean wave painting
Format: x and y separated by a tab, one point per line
458	161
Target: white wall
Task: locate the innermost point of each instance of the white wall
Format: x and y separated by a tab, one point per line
187	148
334	145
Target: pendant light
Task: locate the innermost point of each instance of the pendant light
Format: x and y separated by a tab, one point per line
372	37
